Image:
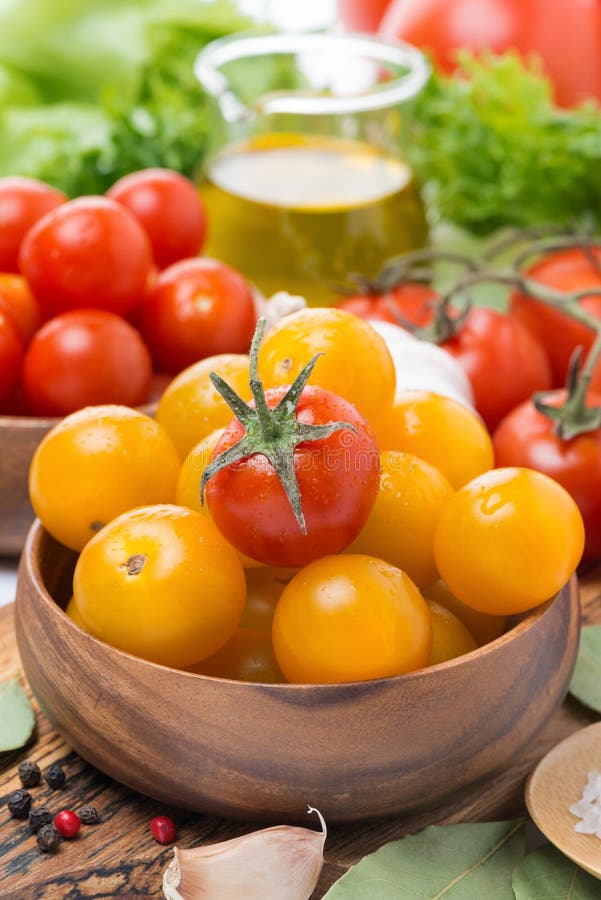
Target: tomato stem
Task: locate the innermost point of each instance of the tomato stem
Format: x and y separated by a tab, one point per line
265	418
574	417
273	432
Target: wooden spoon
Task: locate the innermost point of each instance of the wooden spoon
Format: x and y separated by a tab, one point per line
556	783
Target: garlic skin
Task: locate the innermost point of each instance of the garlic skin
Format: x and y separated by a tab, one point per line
280	863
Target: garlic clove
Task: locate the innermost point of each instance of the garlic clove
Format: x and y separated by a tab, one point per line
280	863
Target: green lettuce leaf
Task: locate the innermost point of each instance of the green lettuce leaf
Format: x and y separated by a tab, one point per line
121	85
48	141
75	50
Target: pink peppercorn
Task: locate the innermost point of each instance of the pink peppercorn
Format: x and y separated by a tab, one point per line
162	829
67	823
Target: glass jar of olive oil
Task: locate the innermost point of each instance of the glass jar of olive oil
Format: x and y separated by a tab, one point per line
306	182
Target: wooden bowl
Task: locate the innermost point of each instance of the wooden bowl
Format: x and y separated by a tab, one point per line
19	438
259	752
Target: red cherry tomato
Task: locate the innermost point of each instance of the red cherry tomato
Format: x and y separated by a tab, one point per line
22	202
527	438
567	271
88	253
169	209
85	358
571	55
11	356
407	301
198	307
503	361
338	480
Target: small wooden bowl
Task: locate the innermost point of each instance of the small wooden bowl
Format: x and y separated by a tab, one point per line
19	438
257	752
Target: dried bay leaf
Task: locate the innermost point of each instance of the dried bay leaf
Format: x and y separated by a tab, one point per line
17	719
455	862
547	874
586	680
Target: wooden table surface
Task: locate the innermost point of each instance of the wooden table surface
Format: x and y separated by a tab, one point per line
119	858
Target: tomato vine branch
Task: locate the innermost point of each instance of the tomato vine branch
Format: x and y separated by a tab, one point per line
451	308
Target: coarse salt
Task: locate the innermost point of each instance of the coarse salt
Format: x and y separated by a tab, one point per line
588	808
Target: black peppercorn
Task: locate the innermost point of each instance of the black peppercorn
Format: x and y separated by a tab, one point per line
29	773
88	815
55	777
19	804
48	838
38	818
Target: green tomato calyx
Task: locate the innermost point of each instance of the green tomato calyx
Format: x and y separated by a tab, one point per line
573	417
274	433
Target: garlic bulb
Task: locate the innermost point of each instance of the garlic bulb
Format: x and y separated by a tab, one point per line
281	863
276	307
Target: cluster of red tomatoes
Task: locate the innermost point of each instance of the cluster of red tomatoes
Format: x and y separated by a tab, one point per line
333	510
96	292
508	357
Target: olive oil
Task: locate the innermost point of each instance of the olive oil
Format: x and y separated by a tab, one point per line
300	213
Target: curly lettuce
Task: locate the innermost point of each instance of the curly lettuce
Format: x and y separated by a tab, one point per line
493	150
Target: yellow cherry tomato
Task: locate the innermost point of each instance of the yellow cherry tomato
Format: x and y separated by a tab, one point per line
247	656
508	541
264	588
73	612
401	524
355	362
188	483
190	475
190	408
350	618
96	464
440	430
160	582
483	627
450	637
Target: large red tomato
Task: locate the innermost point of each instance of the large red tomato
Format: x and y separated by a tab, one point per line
90	252
566	271
22	202
85	358
565	33
198	307
503	361
527	438
338	479
362	15
169	209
